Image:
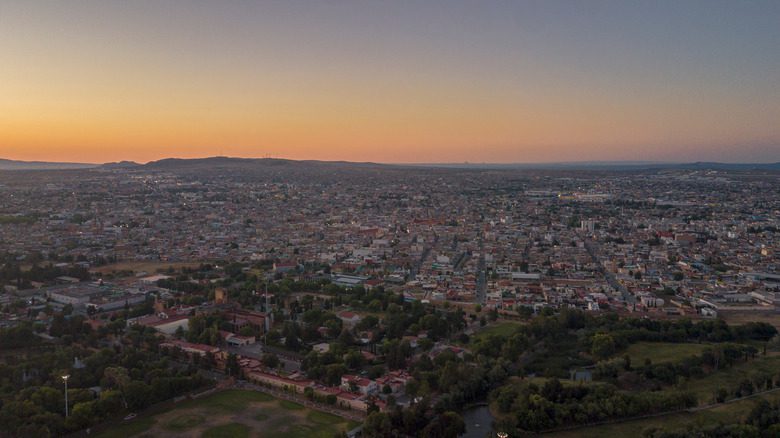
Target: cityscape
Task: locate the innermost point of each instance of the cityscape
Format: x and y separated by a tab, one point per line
370	291
418	219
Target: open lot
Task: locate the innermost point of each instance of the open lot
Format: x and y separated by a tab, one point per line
234	414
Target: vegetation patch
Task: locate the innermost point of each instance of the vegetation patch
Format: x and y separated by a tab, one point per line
730	378
15	220
530	407
674	422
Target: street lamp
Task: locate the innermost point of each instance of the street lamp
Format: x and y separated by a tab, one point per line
65	379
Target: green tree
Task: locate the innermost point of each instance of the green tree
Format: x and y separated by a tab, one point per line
603	345
446	425
377	425
270	360
138	395
231	365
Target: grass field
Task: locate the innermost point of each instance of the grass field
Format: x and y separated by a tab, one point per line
728	413
233	413
660	352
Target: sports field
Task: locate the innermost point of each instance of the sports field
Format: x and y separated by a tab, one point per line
234	414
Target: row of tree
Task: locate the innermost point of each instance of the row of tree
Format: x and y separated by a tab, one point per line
530	407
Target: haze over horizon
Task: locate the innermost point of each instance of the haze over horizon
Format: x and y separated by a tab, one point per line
432	82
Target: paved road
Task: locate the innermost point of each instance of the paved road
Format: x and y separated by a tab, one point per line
462	259
416	268
627	296
481	275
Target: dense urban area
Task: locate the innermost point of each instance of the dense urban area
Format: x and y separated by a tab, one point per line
230	297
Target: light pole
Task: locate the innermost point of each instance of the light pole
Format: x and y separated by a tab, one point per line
65	379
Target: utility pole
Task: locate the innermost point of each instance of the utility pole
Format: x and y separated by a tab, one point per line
65	379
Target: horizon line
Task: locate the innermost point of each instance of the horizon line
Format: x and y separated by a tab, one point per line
440	163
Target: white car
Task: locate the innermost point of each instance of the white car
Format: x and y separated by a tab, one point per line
130	417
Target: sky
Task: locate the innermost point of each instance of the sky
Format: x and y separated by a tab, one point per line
391	81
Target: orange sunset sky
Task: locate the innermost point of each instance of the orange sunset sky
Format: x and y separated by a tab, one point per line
523	81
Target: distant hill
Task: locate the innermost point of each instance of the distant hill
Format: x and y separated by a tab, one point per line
120	165
41	165
265	169
181	163
731	166
247	163
609	165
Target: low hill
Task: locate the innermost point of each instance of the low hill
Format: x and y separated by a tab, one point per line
41	165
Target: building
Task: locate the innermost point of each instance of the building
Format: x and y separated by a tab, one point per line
350	319
162	322
190	348
363	385
348	281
